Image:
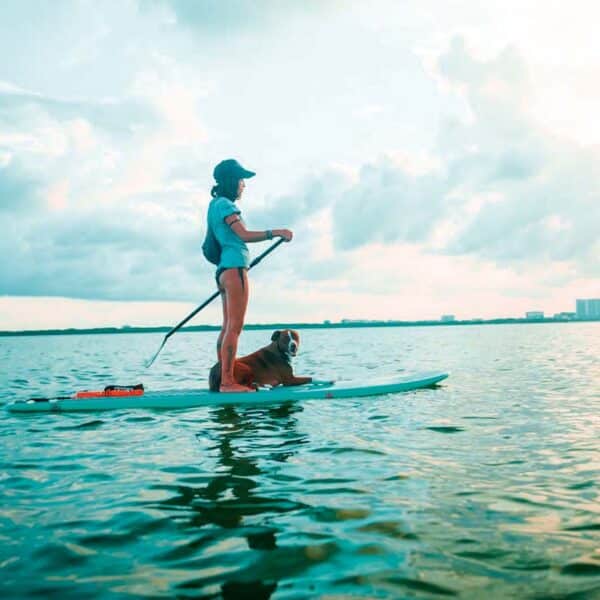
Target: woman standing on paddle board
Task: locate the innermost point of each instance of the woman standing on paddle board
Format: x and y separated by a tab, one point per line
227	228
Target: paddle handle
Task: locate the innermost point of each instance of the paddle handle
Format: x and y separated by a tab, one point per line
266	252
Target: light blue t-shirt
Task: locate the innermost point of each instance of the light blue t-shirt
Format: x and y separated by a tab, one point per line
234	252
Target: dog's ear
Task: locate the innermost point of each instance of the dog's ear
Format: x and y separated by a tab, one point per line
275	336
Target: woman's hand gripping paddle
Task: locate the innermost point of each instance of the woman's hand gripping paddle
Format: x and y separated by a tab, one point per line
207	302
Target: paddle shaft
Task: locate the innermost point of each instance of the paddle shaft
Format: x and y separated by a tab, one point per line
209	300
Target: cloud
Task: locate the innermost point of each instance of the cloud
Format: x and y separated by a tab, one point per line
18	106
76	139
222	18
89	204
503	189
111	254
547	190
387	204
313	193
18	189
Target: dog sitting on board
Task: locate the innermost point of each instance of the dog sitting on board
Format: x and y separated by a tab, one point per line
271	365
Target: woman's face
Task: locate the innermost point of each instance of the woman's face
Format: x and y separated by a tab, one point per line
241	186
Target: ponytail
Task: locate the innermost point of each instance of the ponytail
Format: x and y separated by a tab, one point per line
227	187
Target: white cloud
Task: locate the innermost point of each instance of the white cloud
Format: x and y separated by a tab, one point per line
537	176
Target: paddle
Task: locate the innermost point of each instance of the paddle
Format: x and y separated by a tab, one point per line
208	301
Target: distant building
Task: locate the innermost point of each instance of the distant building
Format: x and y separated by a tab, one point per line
588	308
359	321
447	318
534	314
565	316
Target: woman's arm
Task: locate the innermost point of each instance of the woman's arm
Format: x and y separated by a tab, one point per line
240	230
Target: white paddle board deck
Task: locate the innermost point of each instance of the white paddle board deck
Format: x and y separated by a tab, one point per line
192	398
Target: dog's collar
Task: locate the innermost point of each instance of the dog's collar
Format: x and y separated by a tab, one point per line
283	354
286	356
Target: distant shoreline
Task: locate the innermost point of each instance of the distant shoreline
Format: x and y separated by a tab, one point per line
270	326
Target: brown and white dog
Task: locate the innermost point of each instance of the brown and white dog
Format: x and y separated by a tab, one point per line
270	365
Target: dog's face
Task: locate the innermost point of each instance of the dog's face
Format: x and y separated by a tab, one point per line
288	341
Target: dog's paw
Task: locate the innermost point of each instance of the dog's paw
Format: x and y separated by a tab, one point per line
323	382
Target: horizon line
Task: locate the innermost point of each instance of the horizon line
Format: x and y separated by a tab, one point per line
343	324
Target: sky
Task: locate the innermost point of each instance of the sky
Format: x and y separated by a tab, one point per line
431	158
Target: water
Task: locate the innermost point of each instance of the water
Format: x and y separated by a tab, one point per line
487	485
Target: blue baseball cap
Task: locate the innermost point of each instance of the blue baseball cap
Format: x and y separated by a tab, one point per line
231	169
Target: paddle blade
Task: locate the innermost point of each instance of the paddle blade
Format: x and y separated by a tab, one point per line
149	363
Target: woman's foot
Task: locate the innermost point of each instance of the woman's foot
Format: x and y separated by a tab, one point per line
235	387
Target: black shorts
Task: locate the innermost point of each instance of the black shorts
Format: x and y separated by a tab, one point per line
220	270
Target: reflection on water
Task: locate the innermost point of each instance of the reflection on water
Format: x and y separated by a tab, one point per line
484	486
223	506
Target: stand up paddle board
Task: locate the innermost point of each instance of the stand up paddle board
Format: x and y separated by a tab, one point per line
119	397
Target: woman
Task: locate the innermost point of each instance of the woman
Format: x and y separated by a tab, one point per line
225	222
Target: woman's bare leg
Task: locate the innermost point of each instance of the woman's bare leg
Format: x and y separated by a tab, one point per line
235	285
224	327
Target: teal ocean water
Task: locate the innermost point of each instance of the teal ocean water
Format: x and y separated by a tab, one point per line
486	487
